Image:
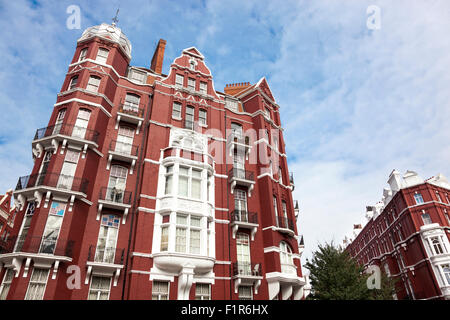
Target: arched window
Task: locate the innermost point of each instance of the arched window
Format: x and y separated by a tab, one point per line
287	263
93	84
73	82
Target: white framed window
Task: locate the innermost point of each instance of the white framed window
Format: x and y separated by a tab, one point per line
418	197
93	84
280	175
124	143
131	102
107	239
100	287
73	82
245	293
81	124
243	253
202	117
202	291
191	84
176	110
160	290
189	120
275	206
267	113
169	180
232	104
203	87
136	75
189	182
52	227
286	259
179	79
438	197
236	130
438	245
102	55
59	121
6	284
426	218
446	272
187	234
38	282
386	270
83	54
68	169
164	238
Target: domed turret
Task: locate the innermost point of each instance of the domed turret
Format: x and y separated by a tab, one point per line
110	32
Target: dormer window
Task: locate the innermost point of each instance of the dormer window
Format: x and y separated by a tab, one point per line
203	87
192	64
136	75
102	55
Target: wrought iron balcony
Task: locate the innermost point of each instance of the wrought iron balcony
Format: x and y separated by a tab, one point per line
68	130
115	195
246	269
53	180
131	109
285	223
241	174
124	149
244	216
39	245
109	255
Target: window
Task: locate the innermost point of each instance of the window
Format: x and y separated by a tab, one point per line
446	271
243	253
59	121
189	182
169	179
102	55
245	293
438	197
36	287
386	270
176	110
81	124
447	217
267	112
418	198
83	54
52	227
236	130
426	218
203	87
202	117
6	284
202	291
117	183
187	225
73	82
136	75
280	175
189	121
25	226
160	290
131	103
232	104
438	245
68	169
107	238
179	79
286	260
275	209
100	287
124	143
164	238
240	205
93	83
191	84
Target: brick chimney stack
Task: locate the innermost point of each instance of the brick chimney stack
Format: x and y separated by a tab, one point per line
235	88
158	56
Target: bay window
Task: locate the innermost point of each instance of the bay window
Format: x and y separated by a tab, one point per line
102	55
93	83
189	182
187	234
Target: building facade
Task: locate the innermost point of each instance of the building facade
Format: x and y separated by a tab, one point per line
7	217
407	236
154	186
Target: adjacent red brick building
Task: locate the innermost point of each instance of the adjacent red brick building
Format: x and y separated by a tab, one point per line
154	186
407	236
7	216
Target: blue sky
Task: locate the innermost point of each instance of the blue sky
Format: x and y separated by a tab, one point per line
355	103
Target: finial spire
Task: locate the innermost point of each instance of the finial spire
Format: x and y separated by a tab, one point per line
115	19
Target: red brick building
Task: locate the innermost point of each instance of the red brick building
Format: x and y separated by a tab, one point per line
154	186
407	236
7	217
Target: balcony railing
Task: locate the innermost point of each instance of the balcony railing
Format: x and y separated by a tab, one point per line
115	195
246	269
244	216
67	130
45	245
285	223
54	180
131	109
125	149
106	255
288	268
241	174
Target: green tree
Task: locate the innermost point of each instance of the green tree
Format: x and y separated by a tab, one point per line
335	275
